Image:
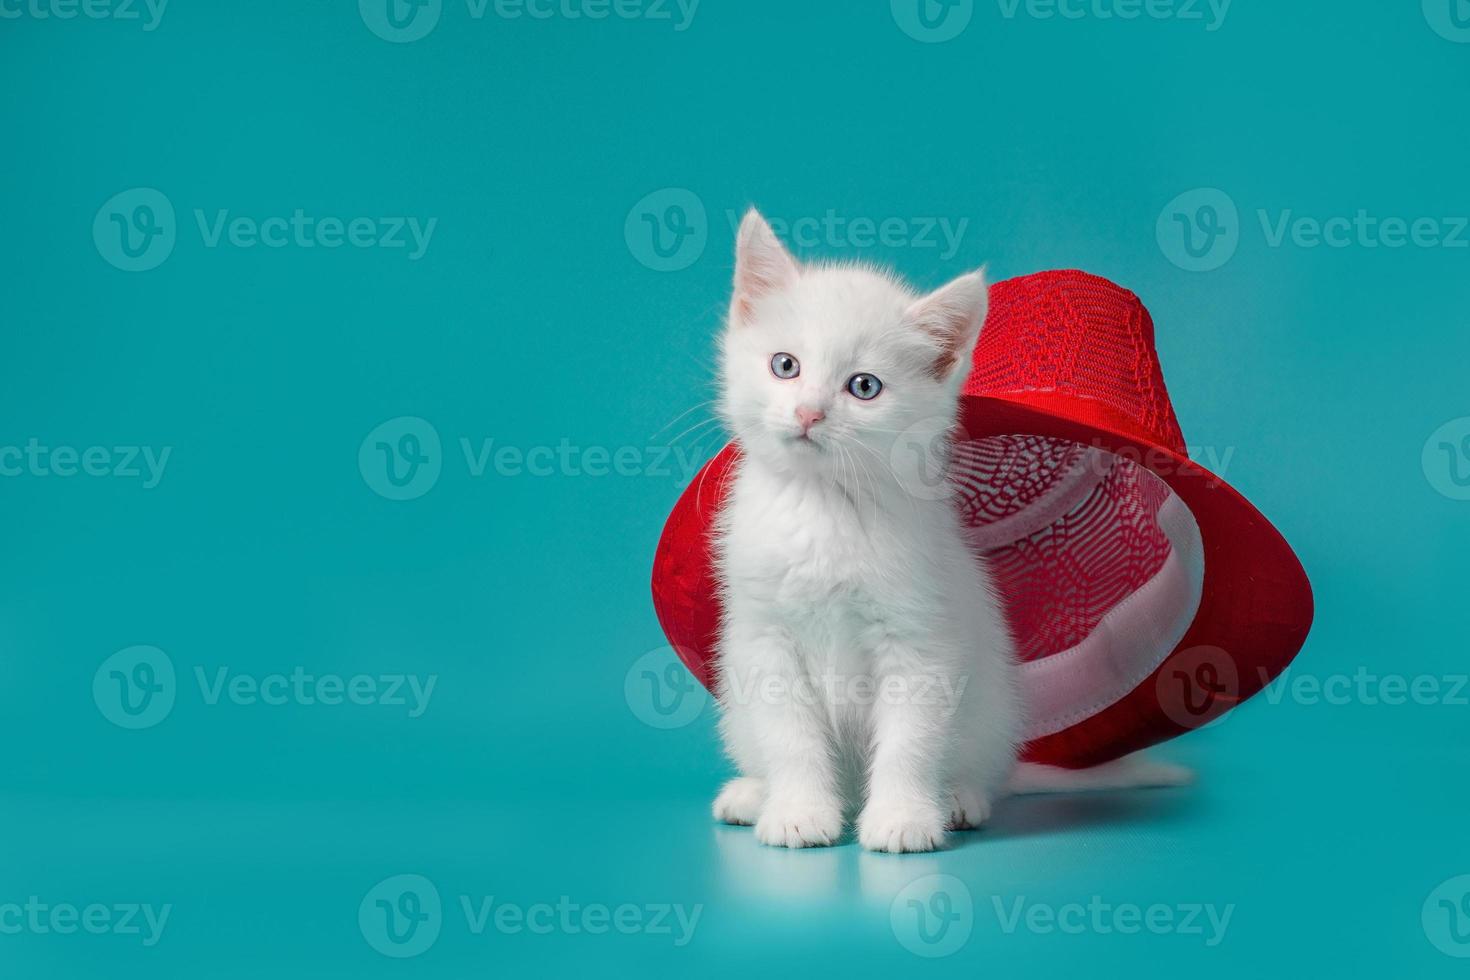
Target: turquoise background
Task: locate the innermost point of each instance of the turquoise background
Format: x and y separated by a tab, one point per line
538	315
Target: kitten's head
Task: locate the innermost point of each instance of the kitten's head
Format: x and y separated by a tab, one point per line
824	367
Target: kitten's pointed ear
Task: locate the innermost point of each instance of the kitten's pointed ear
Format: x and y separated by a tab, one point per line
953	316
762	264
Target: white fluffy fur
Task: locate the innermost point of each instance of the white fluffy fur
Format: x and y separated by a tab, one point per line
863	655
862	652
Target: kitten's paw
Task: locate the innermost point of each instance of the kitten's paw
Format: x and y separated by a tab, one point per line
897	828
799	823
1151	774
740	801
968	809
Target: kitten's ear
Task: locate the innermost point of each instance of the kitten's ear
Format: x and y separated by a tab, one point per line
953	316
762	264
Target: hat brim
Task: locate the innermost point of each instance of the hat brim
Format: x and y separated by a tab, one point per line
1255	608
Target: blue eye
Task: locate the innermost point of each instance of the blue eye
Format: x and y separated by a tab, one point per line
785	367
864	386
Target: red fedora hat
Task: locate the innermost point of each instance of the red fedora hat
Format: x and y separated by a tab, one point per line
1146	596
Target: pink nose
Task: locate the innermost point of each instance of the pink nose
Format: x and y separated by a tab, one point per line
809	417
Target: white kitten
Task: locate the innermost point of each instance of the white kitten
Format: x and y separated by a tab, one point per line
861	642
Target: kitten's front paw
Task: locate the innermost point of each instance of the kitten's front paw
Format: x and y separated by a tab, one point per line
740	801
968	809
897	828
799	823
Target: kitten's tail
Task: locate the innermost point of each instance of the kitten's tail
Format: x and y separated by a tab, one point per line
1134	771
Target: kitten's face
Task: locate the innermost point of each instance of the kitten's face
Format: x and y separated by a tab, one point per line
824	369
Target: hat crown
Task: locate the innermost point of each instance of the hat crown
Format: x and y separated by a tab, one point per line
1076	334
